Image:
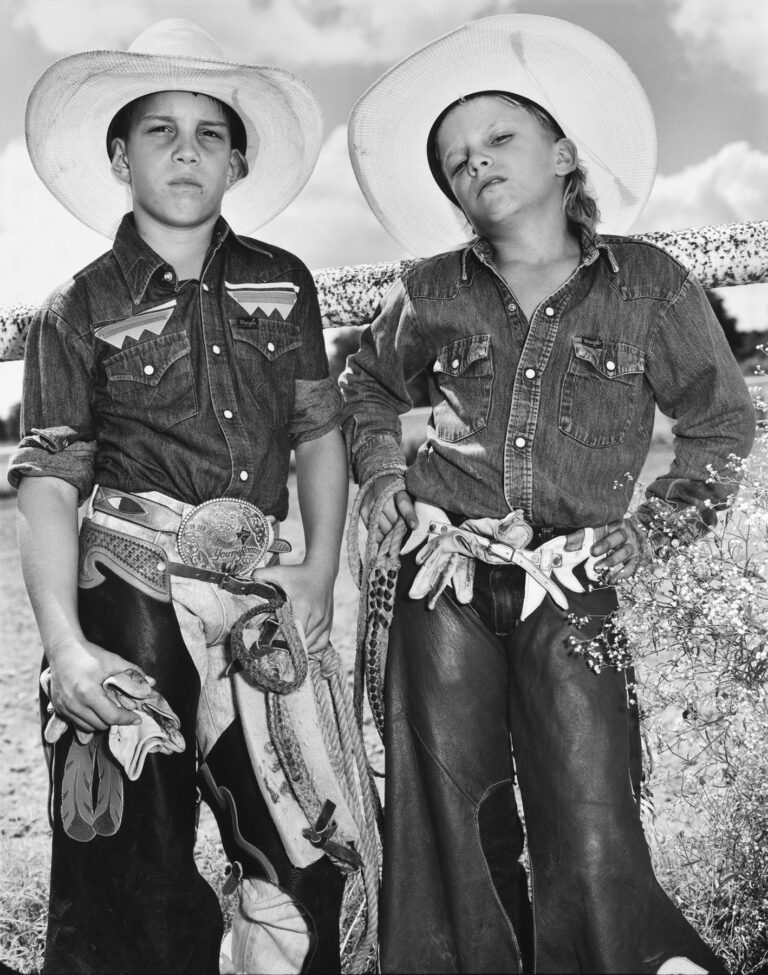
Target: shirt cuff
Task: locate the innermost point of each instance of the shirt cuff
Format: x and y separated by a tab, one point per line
72	462
665	526
378	455
316	409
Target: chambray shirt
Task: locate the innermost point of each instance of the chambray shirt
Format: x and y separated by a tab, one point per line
198	389
549	416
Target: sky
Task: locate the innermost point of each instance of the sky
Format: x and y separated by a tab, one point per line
701	62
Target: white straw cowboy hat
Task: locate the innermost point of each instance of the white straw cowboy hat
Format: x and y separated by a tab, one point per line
71	106
581	81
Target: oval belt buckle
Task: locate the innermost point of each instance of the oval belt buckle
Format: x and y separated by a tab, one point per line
227	535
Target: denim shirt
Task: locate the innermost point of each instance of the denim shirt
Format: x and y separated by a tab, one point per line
549	416
198	389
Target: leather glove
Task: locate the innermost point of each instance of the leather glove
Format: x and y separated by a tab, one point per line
448	558
130	744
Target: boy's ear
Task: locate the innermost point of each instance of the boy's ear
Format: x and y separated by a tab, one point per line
566	157
238	167
119	163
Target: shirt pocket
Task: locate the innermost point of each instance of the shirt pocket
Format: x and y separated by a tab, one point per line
463	374
264	360
600	391
153	381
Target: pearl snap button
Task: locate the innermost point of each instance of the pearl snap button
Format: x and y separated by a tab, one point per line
511	306
243	475
148	370
520	441
168	276
549	311
455	364
610	365
271	346
530	373
228	414
216	349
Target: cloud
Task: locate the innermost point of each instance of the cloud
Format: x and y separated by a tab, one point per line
728	187
275	31
735	33
41	243
329	223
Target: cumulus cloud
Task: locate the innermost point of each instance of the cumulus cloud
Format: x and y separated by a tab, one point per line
276	31
730	186
41	243
329	223
735	33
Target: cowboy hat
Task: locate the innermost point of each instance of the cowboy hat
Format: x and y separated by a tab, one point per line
581	81
73	103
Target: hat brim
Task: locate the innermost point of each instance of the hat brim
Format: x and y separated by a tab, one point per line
71	106
578	78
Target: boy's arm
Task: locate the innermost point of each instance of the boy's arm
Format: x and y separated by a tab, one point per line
322	482
697	381
48	544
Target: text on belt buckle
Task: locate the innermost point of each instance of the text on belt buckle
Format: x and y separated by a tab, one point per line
227	535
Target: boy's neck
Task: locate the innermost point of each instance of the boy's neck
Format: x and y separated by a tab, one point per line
184	248
534	243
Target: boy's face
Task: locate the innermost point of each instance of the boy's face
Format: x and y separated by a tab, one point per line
500	162
178	159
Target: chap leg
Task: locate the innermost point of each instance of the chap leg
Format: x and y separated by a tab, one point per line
274	938
597	904
454	893
135	902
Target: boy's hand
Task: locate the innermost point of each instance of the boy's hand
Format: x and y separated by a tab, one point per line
310	590
622	550
78	670
399	506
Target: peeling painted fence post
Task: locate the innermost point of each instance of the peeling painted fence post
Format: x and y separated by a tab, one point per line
721	256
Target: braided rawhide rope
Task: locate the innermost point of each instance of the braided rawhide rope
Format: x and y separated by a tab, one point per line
375	575
278	668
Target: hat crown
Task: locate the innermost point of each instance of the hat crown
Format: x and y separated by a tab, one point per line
177	37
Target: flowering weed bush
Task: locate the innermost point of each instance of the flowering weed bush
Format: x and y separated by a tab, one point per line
694	625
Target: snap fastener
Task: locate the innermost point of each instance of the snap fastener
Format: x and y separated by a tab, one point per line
455	364
610	365
228	414
530	373
168	276
520	442
148	370
243	475
511	306
216	349
271	346
549	311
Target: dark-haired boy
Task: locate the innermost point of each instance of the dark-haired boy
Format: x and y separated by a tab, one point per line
167	382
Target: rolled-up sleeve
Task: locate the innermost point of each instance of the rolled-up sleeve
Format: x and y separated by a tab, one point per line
374	386
697	381
57	427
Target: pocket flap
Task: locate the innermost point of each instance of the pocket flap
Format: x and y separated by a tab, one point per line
611	359
148	361
453	359
271	337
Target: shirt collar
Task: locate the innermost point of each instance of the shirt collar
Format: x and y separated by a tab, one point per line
139	263
592	246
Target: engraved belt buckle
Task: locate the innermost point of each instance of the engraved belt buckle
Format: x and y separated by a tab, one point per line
227	535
